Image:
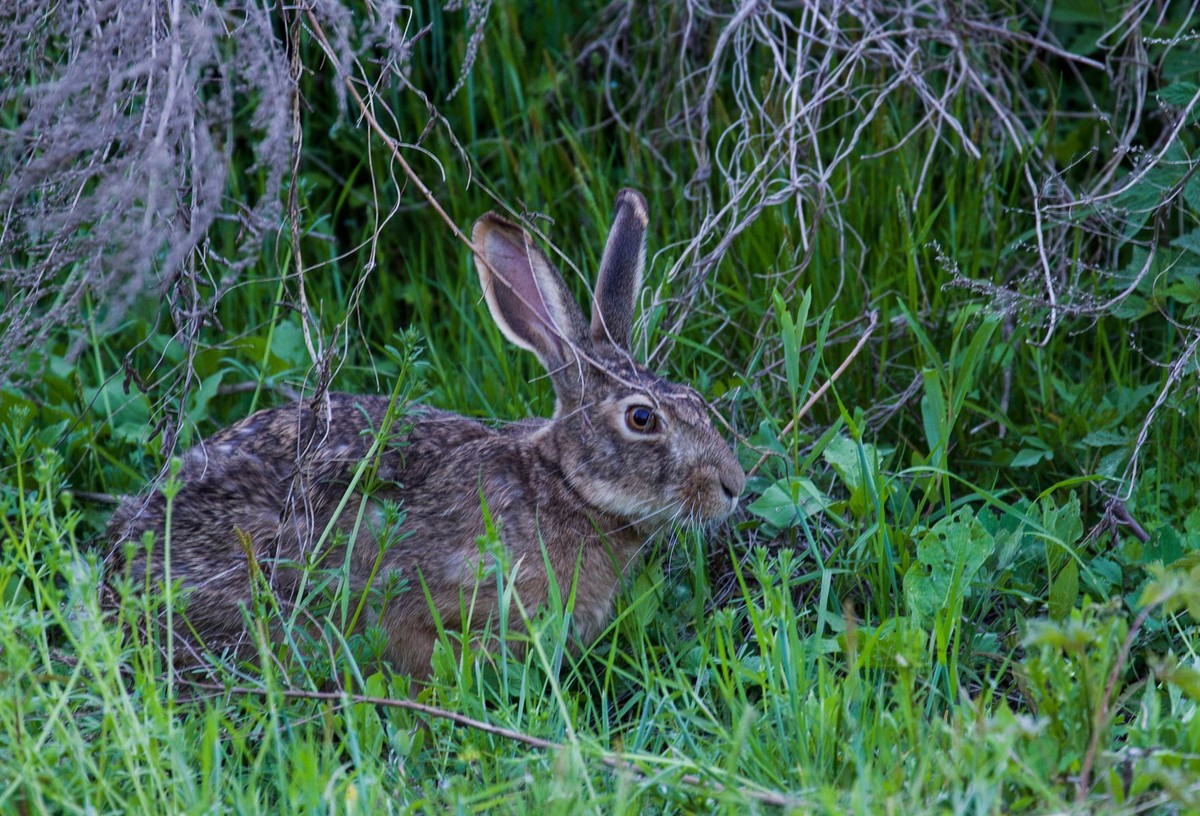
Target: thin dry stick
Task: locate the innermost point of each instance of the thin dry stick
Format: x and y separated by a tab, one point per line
873	318
610	760
392	144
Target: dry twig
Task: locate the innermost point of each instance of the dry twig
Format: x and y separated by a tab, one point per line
615	761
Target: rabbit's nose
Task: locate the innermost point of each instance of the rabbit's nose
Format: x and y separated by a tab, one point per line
730	493
732	480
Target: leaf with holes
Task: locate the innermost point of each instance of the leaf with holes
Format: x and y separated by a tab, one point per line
948	557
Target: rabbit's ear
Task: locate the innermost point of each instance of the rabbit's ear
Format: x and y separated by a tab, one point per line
525	294
620	277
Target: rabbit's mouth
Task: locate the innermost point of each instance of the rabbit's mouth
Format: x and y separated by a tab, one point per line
708	495
710	508
711	494
690	509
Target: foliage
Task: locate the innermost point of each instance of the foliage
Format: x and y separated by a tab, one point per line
937	264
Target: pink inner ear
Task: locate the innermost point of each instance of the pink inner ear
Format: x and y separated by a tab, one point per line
512	262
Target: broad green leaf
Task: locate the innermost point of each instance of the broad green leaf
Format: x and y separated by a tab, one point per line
1103	438
1186	290
786	502
1064	527
1191	193
1028	457
1178	95
1189	240
842	455
1064	589
1164	545
1132	308
948	557
287	344
201	397
128	414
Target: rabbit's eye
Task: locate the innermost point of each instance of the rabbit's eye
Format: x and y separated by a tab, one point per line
641	419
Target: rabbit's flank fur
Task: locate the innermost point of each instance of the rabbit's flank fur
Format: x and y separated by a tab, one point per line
625	454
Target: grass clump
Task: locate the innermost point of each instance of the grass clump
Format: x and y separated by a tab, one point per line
935	266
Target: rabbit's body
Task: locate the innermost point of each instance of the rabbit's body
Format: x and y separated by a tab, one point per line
581	492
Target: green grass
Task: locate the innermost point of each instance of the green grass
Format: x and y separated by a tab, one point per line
922	606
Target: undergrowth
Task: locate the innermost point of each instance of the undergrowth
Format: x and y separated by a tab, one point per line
937	267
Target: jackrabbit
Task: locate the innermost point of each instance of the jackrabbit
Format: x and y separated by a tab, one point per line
625	454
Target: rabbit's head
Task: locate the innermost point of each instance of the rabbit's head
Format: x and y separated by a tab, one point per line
627	441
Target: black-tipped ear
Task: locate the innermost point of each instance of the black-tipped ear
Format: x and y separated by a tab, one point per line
526	296
620	278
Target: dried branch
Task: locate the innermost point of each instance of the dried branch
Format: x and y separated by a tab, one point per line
615	761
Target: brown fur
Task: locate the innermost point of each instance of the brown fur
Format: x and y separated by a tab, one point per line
584	486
